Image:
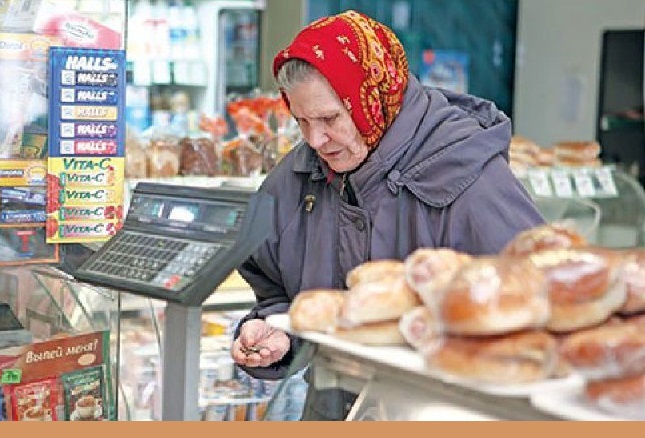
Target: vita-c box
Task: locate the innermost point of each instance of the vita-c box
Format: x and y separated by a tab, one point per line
74	29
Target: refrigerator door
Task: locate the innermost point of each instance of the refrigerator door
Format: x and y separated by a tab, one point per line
231	42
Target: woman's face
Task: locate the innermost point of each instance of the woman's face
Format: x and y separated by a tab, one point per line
326	124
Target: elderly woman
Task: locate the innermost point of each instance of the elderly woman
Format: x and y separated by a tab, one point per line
387	166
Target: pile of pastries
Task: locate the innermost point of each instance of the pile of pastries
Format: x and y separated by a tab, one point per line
548	305
524	154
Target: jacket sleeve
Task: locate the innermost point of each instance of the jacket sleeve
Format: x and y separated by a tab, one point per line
261	272
490	212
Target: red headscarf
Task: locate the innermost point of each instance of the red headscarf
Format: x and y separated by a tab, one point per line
363	61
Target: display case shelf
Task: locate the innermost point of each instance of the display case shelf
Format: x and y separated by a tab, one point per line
69	335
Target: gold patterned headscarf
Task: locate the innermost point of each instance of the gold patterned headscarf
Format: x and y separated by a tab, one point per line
363	61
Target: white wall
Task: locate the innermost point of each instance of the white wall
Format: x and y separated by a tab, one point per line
556	78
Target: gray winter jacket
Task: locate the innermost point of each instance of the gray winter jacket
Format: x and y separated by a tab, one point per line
438	178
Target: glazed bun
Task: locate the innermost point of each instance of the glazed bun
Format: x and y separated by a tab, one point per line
520	144
582	286
491	296
316	310
372	271
428	271
377	301
576	151
633	275
377	333
553	236
518	358
609	350
623	396
419	326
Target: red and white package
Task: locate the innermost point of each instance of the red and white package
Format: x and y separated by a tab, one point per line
33	401
74	29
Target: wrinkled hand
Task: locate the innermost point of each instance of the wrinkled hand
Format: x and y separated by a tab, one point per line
259	345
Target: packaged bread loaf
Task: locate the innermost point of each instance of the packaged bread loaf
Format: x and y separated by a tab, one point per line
136	160
198	157
163	156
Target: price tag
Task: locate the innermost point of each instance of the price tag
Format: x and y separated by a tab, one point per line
540	184
562	184
606	181
584	184
11	375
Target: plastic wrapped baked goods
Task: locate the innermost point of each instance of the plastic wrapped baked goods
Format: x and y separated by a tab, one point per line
622	396
517	358
242	157
136	160
553	236
494	295
316	310
419	326
384	300
610	350
633	275
582	284
198	157
376	333
375	270
163	156
429	270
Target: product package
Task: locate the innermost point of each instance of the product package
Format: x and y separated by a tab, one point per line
33	401
84	393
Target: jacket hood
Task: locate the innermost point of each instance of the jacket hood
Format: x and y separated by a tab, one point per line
436	147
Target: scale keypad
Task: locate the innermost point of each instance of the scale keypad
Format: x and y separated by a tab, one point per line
159	261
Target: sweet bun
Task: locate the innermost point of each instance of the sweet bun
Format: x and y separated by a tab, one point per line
623	396
376	333
576	151
429	270
316	310
553	236
582	286
377	301
633	275
419	326
517	358
494	295
375	270
520	144
609	350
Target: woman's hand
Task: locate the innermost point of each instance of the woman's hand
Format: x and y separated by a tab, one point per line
259	345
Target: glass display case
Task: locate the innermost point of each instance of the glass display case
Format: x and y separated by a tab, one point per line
226	393
59	343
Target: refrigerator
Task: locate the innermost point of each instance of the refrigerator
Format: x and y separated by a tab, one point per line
187	58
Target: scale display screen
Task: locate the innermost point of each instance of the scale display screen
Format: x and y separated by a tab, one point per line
202	215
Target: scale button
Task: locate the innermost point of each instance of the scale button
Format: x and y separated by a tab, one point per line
173	280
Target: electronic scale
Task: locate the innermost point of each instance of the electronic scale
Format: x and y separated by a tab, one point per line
179	243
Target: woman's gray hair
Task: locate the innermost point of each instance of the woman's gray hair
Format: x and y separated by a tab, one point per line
294	71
